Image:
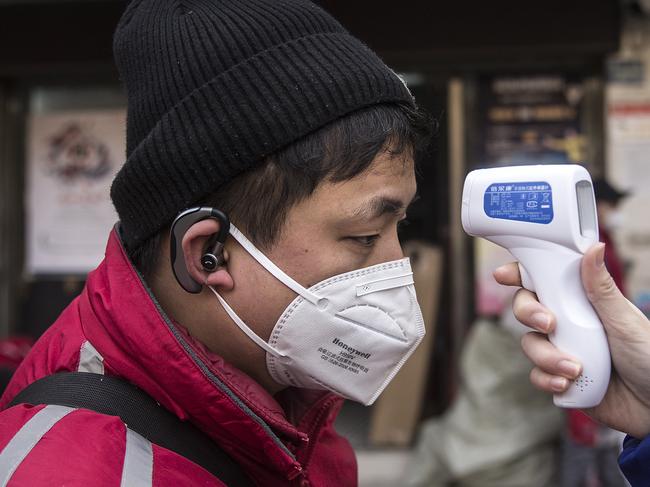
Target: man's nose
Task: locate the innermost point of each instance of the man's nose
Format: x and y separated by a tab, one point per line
392	249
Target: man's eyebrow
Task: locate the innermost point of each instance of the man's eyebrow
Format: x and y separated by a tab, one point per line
380	206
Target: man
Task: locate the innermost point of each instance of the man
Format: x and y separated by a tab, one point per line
300	141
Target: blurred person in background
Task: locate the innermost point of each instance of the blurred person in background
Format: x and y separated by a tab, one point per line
500	431
608	200
590	450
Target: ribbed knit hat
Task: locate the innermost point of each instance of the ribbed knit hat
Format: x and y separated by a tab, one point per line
215	86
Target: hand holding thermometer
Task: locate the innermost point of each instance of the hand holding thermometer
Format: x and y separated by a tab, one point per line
545	216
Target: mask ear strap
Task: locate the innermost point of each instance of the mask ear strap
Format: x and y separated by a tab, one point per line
271	267
244	327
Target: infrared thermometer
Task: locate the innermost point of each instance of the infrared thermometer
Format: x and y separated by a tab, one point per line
545	216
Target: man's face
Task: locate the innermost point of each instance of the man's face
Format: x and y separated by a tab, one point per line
341	227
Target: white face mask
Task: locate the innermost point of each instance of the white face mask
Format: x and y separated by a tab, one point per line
349	334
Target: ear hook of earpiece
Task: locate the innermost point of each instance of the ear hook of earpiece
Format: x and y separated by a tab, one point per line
213	255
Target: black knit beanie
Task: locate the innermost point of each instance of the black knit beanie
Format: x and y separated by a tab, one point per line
215	86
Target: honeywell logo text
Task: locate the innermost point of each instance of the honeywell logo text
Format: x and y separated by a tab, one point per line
350	349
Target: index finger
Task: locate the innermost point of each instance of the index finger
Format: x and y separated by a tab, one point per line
508	274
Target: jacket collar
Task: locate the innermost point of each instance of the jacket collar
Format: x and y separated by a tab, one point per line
139	342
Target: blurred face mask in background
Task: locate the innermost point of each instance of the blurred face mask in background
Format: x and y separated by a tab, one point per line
349	334
614	220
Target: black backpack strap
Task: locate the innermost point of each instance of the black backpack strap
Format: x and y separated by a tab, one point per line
116	397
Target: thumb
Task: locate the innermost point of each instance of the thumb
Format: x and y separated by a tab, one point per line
614	310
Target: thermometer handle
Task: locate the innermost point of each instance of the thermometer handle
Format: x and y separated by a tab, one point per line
553	272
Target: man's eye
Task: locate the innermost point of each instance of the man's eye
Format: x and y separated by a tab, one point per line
366	240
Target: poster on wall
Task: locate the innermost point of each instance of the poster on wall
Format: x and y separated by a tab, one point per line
72	158
522	120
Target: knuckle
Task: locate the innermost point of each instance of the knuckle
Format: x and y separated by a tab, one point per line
519	299
605	288
525	308
536	378
529	343
608	287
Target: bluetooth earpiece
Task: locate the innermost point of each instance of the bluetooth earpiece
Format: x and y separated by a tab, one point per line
213	255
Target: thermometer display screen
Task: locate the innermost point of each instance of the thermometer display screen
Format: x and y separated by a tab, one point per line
587	210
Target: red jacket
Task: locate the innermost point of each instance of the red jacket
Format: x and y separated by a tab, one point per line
116	327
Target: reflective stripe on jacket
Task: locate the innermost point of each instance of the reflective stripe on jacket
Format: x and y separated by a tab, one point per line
116	327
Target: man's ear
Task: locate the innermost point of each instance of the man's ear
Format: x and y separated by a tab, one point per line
193	245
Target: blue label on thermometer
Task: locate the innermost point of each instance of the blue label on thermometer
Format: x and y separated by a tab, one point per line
524	202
